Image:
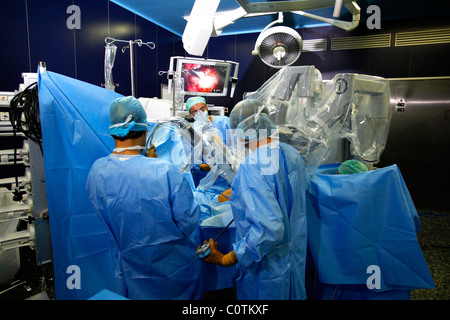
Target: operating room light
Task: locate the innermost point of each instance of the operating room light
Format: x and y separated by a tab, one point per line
279	52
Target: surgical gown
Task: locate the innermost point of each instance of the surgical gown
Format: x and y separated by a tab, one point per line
268	205
148	207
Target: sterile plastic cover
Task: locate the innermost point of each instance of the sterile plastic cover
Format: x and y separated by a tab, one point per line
357	107
172	139
313	116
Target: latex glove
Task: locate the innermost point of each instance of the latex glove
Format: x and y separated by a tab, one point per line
224	196
204	167
151	152
218	258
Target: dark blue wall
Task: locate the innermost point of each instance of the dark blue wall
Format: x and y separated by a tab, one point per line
34	31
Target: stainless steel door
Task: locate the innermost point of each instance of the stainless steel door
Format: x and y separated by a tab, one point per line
419	138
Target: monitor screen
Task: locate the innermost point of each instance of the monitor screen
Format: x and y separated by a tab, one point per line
203	77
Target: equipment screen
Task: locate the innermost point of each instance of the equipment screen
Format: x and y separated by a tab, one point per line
205	78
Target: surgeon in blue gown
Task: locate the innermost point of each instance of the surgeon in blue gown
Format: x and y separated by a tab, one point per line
268	205
148	207
222	123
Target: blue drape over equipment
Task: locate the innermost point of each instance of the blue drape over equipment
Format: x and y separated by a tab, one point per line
75	121
362	220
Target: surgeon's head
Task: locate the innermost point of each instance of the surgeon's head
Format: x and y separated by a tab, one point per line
128	119
250	121
351	167
195	104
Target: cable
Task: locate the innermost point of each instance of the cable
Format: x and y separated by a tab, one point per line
24	114
24	117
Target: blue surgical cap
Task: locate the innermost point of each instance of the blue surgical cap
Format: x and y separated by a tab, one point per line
127	114
251	114
193	101
352	166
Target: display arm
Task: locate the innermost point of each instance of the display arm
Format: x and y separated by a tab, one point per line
234	79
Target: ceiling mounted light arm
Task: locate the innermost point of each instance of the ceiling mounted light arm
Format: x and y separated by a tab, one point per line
353	7
286	6
337	8
347	26
224	19
279	20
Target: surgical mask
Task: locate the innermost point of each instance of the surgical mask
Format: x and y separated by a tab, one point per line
120	150
202	116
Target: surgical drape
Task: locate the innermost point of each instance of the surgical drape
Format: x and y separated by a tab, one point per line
75	120
363	220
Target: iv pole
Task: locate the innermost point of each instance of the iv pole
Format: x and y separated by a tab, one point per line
151	45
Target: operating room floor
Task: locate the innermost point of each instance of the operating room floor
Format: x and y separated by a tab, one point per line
37	282
434	239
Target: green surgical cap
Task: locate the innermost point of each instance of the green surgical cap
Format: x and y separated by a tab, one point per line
352	166
127	114
193	101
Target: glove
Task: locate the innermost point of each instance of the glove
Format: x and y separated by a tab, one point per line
218	258
151	152
224	196
229	259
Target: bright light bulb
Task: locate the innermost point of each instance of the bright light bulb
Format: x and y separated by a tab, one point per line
279	53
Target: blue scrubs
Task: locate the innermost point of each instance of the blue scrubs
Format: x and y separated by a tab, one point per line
268	204
148	207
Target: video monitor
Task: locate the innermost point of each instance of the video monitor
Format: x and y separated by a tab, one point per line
203	77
